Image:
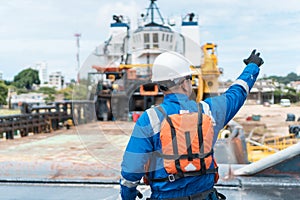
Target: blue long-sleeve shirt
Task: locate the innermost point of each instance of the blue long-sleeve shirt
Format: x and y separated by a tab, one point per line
145	138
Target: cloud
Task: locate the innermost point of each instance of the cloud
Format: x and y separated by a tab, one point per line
59	54
36	30
298	69
129	9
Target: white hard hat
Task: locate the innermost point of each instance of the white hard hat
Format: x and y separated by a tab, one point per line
170	66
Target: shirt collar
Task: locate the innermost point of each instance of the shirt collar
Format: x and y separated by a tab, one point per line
176	97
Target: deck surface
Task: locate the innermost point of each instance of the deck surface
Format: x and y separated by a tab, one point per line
86	152
84	163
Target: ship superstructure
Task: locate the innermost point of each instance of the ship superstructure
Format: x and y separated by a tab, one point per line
122	80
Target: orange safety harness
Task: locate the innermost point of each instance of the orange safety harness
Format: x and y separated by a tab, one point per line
186	141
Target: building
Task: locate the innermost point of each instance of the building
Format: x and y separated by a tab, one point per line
1	76
295	85
261	92
30	98
56	79
41	67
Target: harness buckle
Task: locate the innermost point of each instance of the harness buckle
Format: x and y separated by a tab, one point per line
171	178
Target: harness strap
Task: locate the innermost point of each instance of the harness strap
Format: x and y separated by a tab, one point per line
184	156
174	177
190	156
174	139
189	146
200	139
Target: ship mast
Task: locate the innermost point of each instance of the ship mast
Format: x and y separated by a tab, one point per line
152	7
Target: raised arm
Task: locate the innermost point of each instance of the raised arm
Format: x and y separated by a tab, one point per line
223	108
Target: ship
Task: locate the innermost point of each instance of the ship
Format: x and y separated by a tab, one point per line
116	77
118	71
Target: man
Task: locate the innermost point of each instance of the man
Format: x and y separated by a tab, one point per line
177	174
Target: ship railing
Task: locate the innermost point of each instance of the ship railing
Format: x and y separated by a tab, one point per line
46	119
259	150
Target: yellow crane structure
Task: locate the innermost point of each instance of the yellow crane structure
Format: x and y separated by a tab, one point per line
206	79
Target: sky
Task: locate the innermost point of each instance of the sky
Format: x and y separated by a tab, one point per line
33	31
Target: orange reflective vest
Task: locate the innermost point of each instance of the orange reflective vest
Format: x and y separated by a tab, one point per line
186	141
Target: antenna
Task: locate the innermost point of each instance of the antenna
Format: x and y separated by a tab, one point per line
151	8
77	35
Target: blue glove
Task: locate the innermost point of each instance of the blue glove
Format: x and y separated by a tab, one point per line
129	193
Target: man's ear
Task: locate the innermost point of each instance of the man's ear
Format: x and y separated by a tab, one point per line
183	86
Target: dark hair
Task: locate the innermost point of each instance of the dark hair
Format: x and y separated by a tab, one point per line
165	85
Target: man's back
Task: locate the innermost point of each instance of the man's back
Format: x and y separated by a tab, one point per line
172	104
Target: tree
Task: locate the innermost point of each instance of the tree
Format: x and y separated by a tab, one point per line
50	98
75	91
291	94
47	90
285	79
3	93
50	91
80	92
26	78
67	92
